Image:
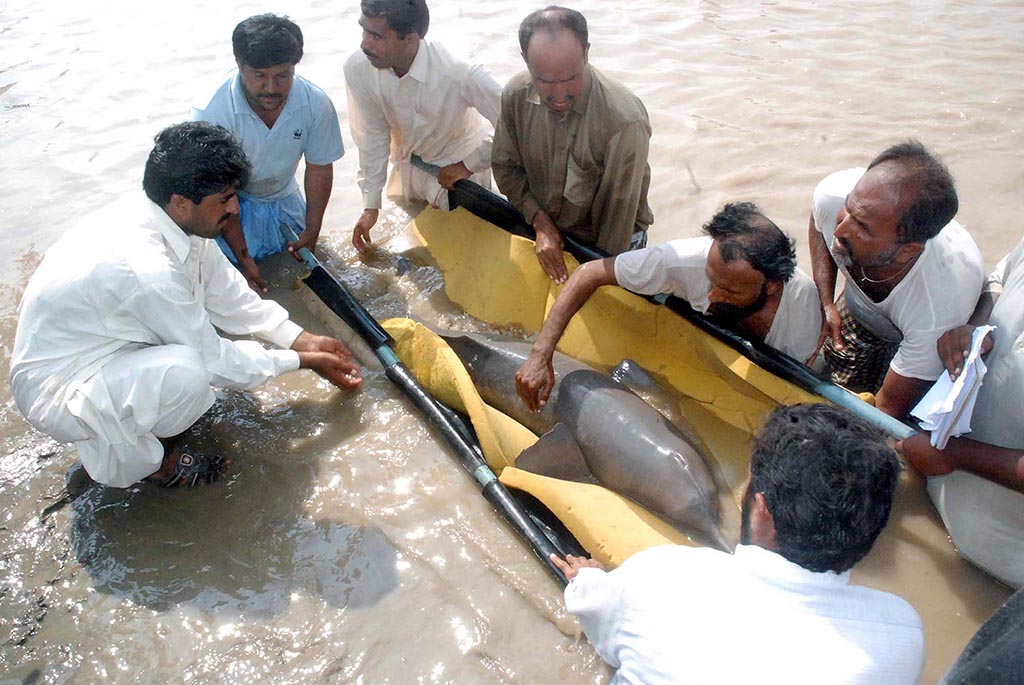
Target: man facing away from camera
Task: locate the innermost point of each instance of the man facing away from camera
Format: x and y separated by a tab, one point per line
781	609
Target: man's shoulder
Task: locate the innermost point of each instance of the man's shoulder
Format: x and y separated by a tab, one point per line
357	64
800	286
617	99
838	183
672	559
309	93
677	253
518	87
218	108
697	245
115	243
884	607
953	253
451	63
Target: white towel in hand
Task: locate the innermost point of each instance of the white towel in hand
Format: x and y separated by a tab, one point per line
946	409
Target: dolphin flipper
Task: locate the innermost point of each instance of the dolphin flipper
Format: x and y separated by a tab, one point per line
557	455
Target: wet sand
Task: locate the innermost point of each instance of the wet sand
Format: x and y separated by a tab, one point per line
347	546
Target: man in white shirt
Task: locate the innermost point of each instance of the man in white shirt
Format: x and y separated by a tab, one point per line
911	273
279	118
977	481
408	96
781	609
743	272
118	344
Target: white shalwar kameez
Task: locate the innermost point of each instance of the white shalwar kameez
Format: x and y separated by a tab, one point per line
674	614
118	342
427	112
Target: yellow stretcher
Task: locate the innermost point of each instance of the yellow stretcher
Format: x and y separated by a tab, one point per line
495	277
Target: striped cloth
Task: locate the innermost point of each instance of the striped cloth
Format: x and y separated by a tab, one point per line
638	240
864	360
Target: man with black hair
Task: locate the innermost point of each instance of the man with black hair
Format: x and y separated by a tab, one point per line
409	96
781	608
911	273
119	342
743	272
279	118
570	149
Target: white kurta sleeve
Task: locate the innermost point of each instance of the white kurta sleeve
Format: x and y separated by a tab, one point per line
234	308
676	267
371	133
995	280
595	597
168	308
483	93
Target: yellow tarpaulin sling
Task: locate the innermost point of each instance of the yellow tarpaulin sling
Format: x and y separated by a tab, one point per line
495	277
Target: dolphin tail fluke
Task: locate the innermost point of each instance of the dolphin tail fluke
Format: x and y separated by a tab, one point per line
557	455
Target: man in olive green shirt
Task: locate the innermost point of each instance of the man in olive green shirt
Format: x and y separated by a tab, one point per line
570	148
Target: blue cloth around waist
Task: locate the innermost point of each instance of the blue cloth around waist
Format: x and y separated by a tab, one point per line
261	222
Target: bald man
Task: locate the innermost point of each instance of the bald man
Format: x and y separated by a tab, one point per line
570	147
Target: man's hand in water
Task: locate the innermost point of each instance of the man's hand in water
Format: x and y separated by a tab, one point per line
252	274
329	358
572	565
361	233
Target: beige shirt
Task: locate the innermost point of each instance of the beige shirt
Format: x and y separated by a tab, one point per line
587	169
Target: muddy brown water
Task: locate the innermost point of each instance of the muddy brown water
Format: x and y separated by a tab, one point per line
346	547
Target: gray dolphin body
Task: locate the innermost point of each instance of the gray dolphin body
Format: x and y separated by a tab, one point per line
596	430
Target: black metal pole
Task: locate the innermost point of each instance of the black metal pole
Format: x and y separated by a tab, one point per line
336	296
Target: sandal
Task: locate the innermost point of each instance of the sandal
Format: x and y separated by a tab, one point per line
193	468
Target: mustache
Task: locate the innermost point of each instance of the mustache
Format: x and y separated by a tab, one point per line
846	259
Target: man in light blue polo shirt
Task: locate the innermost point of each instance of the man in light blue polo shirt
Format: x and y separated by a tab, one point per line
278	117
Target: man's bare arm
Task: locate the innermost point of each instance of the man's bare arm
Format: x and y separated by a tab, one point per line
825	272
318	181
899	394
536	376
235	239
1001	465
955	344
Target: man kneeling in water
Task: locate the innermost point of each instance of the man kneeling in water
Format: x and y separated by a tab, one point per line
119	341
781	609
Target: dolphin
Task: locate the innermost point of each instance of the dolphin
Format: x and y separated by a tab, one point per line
595	429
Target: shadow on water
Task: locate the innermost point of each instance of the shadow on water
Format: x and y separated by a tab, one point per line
241	546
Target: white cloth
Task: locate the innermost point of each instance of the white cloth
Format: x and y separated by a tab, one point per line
938	293
427	112
986	520
677	267
675	614
128	279
307	126
946	409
